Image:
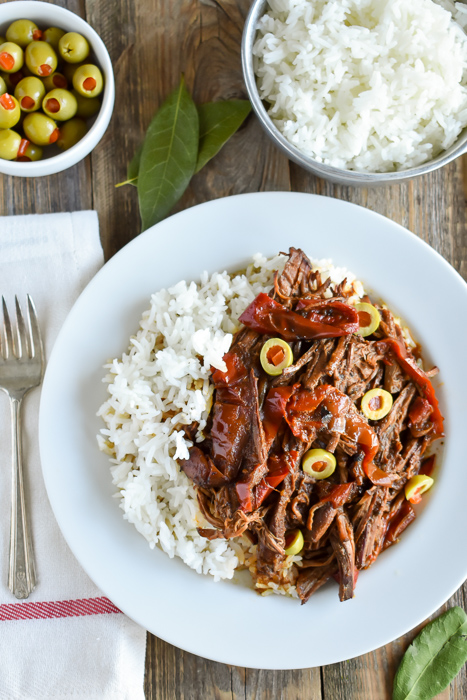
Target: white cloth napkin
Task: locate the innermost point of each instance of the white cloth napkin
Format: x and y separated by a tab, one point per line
72	642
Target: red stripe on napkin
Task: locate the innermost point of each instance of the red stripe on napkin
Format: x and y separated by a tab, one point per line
61	608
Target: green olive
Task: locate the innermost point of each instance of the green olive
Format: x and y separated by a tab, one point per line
40	129
52	36
9	144
12	79
9	111
19	125
376	404
275	356
88	80
40	58
294	543
60	104
3	87
56	80
22	32
29	93
31	152
17	77
87	106
11	57
417	485
319	463
73	47
368	317
69	69
71	132
7	78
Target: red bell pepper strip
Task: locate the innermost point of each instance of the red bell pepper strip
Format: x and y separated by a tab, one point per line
267	486
274	409
279	467
243	490
265	315
340	494
304	402
261	491
273	414
236	370
376	475
403	518
409	365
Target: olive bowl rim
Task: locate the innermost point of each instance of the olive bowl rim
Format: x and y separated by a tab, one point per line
54	15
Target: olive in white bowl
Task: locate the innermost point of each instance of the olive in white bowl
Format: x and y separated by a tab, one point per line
49	24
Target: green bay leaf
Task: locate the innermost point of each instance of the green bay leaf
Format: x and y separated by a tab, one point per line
434	658
218	121
169	155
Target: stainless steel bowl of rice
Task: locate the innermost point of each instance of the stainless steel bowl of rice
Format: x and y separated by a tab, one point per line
360	92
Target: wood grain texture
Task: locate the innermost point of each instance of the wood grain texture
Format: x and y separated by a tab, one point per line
151	42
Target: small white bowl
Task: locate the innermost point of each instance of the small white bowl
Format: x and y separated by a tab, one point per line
47	15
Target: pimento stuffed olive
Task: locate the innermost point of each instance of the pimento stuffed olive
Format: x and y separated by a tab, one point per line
34	96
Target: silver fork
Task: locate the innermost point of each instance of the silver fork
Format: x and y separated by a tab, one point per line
21	369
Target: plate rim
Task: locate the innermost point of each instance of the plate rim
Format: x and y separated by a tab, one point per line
140	241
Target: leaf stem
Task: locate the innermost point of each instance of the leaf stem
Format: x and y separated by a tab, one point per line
126	182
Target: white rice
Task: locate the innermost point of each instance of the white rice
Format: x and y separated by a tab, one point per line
368	85
161	384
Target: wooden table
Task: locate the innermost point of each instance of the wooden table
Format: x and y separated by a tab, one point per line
151	42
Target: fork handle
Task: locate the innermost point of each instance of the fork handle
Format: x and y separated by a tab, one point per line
21	576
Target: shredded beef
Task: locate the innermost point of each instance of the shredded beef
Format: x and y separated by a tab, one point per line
248	470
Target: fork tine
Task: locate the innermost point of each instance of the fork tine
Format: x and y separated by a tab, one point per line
8	345
22	346
35	339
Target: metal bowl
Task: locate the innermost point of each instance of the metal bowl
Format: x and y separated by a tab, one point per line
339	175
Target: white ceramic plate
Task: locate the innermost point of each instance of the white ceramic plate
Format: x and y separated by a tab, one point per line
223	621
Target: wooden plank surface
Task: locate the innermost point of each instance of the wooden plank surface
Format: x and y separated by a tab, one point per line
151	42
